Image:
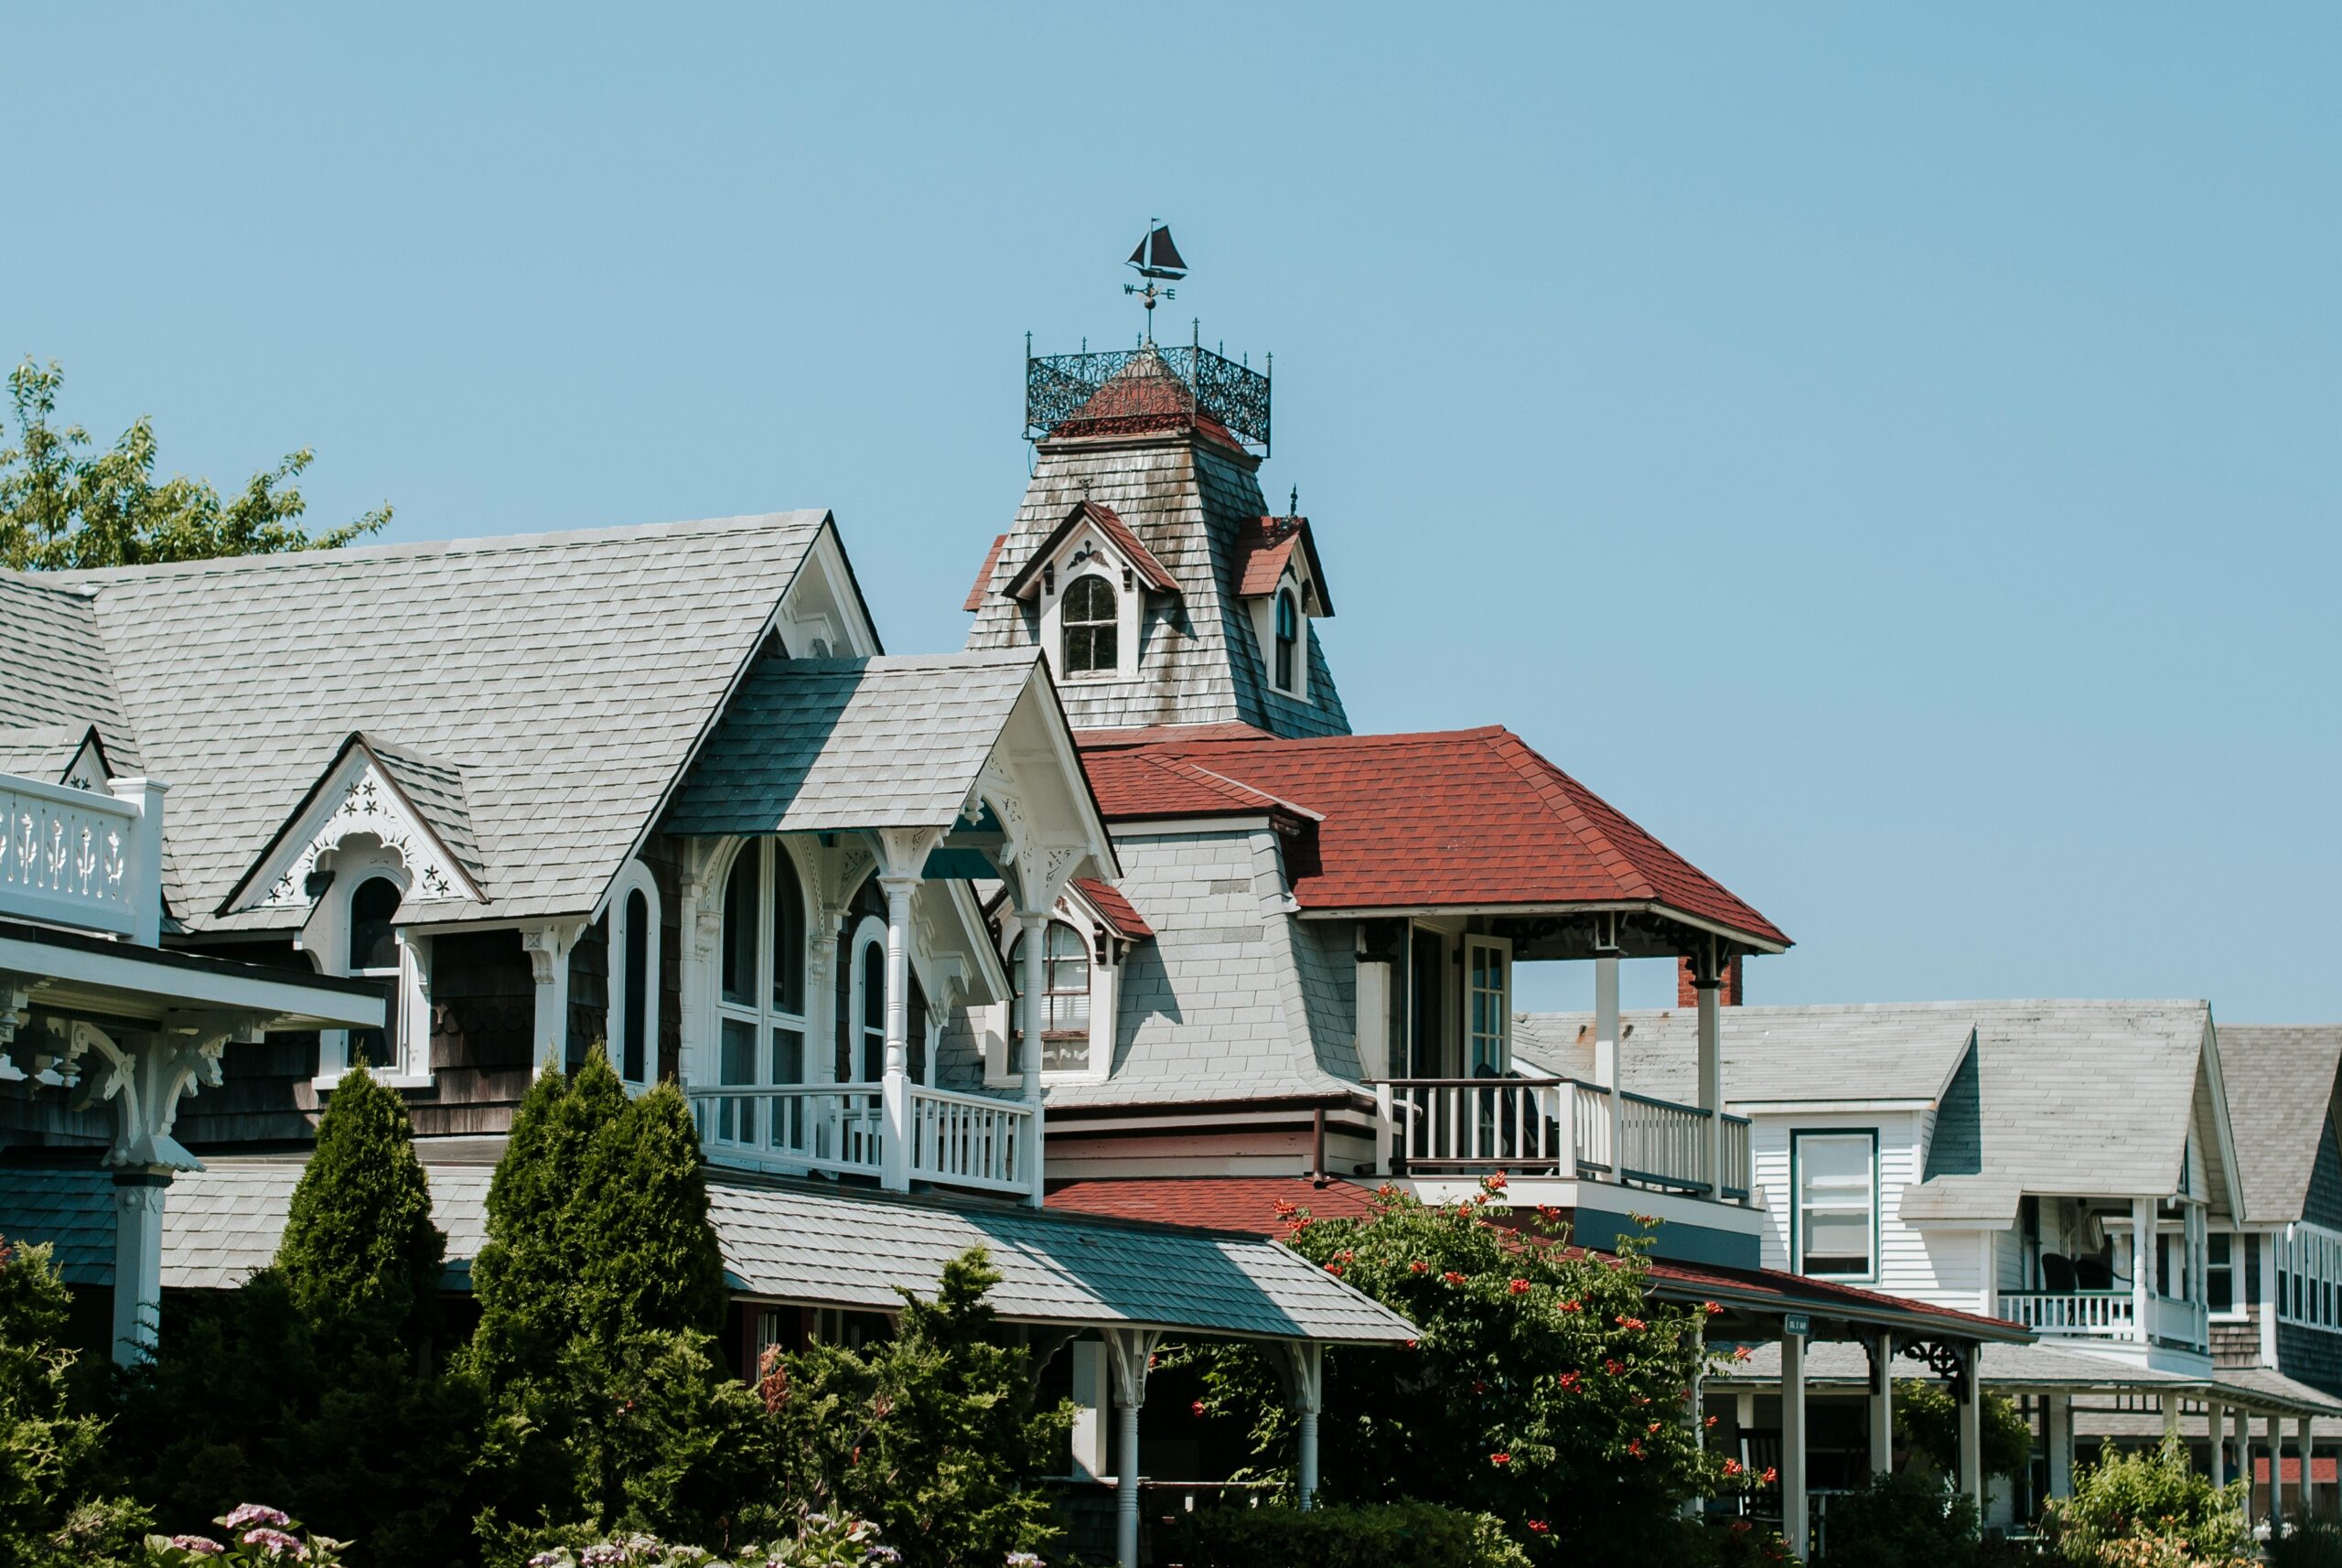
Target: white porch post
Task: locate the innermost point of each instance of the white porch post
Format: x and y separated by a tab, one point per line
1129	1350
1972	1427
2143	1264
2241	1421
2058	1423
2303	1495
2216	1417
1793	1506
138	1263
145	855
1035	926
1303	1366
2169	1406
1707	979
548	950
2273	1439
1606	1059
895	1098
1882	1404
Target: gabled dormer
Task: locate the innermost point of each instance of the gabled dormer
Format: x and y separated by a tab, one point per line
1281	582
1089	584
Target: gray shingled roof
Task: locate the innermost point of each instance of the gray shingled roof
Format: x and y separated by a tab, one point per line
783	1242
2070	1097
823	745
1899	1051
2045	1367
42	751
804	1244
2281	1082
566	675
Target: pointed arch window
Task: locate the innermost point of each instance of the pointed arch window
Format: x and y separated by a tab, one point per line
1090	626
1288	642
374	955
633	1027
760	993
1065	1017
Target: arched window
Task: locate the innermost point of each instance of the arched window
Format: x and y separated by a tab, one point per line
866	1031
760	994
1064	1015
374	955
1288	651
1091	633
633	1028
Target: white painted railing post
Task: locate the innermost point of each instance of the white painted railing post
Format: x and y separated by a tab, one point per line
1386	1128
1564	1128
145	879
1605	1057
2143	1266
1035	926
895	1099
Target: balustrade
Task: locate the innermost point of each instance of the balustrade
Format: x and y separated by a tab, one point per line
1555	1126
74	857
956	1140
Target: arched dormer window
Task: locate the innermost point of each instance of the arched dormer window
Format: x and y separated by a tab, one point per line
1288	642
374	955
1089	626
1065	1017
760	992
633	1031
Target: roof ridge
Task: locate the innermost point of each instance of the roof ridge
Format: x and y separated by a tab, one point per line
1550	781
99	577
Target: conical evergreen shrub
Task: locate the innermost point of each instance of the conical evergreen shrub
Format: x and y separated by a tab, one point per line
358	1243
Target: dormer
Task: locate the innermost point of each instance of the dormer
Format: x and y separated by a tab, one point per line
1281	585
1087	583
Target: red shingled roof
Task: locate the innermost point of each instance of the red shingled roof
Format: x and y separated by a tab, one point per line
1250	1203
1152	572
1145	396
1264	545
1112	908
984	574
1463	819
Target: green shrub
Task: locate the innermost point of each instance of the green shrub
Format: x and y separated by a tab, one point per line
2138	1508
250	1535
1366	1535
51	1457
934	1434
1928	1418
1907	1519
358	1241
1545	1387
600	1288
2307	1543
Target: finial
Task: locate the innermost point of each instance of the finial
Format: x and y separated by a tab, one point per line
1293	507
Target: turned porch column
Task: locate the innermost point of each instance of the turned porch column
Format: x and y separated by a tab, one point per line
1606	1065
1130	1352
895	1171
1793	1500
1034	927
1707	981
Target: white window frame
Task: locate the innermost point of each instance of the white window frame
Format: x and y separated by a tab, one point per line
635	878
1090	553
1265	632
2237	1310
759	1013
869	932
1105	982
2309	1276
326	939
1798	1207
1473	990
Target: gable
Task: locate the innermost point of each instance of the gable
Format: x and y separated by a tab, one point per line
1957	1146
2323	1205
419	817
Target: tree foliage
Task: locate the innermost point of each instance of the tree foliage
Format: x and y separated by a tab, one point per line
1370	1535
936	1433
600	1289
62	505
2150	1507
51	1456
1906	1518
358	1241
1928	1418
1545	1388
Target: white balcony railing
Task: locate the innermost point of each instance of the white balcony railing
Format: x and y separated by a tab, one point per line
956	1140
1555	1126
74	857
2106	1315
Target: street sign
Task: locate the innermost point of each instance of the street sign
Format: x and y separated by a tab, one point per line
1796	1326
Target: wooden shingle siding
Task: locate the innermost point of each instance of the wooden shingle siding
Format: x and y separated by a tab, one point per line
483	1007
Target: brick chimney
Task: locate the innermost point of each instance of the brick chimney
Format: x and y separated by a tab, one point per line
1687	995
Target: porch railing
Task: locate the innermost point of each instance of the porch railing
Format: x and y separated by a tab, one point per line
956	1140
971	1140
75	857
1555	1126
2106	1315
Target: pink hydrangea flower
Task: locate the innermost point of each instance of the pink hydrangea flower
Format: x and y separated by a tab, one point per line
255	1513
276	1542
202	1545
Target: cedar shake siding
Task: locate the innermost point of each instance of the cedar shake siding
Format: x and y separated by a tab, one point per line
483	1003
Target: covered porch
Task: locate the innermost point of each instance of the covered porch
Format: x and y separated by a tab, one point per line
832	836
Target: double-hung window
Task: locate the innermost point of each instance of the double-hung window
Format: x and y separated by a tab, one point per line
1065	1005
1488	1003
1836	1218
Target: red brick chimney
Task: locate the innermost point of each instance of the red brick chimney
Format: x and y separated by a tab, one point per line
1687	995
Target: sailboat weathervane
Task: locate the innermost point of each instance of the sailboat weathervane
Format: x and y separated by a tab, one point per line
1156	260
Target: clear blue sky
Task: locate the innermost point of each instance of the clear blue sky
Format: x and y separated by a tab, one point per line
1890	454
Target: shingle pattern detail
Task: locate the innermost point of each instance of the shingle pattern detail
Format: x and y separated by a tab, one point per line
806	1245
1187	499
827	744
53	665
42	751
1894	1050
1112	908
1461	817
567	675
1026	584
2281	1081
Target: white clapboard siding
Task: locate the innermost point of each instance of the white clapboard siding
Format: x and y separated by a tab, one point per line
1938	1266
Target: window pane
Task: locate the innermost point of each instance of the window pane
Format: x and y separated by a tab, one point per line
737	1061
373	943
788	1056
1089	599
1837	1244
634	1026
1834	1205
740	908
1068	1055
787	936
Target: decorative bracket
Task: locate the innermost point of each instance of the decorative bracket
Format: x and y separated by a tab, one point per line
1944	1359
1130	1355
145	1082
